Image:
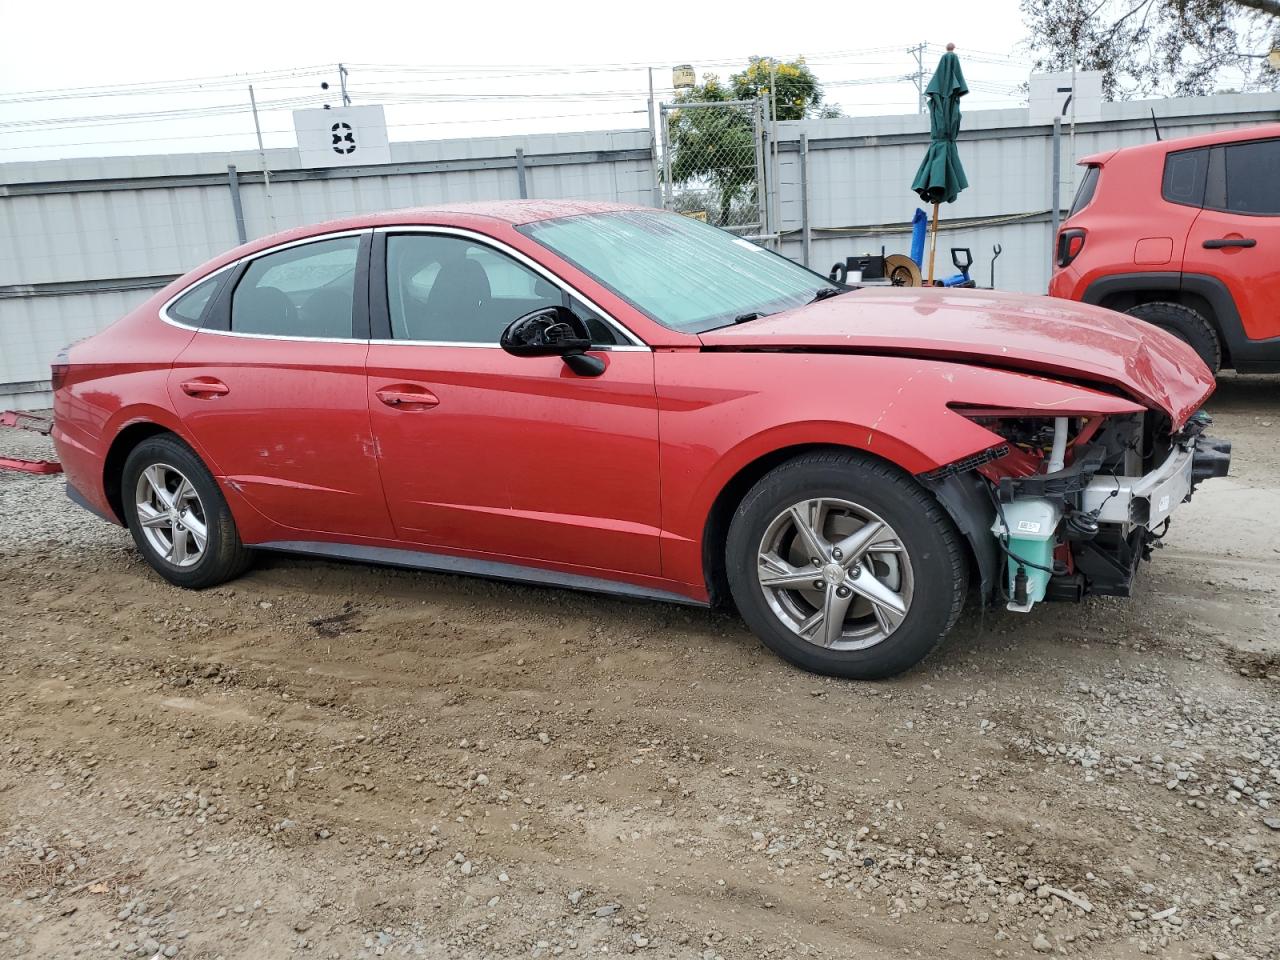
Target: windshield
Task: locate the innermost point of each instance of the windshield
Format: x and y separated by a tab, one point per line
682	273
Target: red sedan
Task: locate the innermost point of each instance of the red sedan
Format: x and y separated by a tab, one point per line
624	400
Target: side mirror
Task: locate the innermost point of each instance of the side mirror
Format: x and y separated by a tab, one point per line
552	332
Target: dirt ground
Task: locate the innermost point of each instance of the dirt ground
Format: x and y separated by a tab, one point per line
340	761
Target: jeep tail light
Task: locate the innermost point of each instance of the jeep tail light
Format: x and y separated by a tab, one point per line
1070	243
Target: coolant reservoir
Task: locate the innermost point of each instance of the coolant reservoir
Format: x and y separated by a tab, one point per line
1032	536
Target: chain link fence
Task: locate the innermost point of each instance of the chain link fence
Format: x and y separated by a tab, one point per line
714	165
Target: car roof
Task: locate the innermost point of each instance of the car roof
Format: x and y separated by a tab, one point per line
1158	148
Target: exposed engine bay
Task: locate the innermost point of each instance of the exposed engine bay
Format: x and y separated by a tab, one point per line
1075	503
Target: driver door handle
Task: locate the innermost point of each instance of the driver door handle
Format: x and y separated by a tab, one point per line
1230	242
407	397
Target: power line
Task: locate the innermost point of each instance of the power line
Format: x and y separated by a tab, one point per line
153	86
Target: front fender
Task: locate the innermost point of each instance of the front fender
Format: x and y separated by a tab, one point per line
721	412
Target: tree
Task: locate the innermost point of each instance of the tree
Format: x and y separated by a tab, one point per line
1158	47
714	147
799	94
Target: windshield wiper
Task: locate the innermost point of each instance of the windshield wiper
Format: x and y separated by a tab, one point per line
826	292
748	317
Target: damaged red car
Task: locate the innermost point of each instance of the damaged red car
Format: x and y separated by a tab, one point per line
625	400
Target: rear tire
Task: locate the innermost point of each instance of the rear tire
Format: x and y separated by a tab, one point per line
1187	325
896	592
178	516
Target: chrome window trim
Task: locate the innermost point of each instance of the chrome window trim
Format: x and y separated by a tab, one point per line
633	343
603	348
164	309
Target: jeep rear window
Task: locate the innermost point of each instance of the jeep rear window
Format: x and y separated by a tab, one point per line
1084	194
1184	174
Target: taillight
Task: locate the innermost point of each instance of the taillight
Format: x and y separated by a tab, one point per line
1070	243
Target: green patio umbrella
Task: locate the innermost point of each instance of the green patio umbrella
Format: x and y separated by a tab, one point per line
941	177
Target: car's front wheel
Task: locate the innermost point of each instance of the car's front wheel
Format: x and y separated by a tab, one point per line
178	516
844	565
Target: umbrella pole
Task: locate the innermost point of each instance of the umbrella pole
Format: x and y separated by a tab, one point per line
933	245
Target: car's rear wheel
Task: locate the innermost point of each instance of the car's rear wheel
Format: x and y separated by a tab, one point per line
178	516
844	565
1187	325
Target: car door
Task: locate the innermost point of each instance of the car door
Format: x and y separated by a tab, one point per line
498	456
272	388
1236	237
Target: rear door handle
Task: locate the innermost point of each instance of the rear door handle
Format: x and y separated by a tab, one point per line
408	397
1230	242
205	388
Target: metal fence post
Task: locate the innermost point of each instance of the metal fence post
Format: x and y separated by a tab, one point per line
233	184
762	187
1056	199
666	156
522	182
805	236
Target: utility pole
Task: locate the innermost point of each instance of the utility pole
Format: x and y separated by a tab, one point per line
773	176
919	52
342	82
262	159
653	143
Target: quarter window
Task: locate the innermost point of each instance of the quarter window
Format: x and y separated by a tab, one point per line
304	291
1253	186
1184	177
452	290
1084	193
190	307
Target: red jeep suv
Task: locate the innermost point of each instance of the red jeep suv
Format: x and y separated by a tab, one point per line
1184	234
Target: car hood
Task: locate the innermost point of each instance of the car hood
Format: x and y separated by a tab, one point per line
1057	338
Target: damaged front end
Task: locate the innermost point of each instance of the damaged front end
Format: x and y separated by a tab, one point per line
1062	506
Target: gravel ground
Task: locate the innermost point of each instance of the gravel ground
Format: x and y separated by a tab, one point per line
340	761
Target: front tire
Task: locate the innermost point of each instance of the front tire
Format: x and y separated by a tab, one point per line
178	516
844	565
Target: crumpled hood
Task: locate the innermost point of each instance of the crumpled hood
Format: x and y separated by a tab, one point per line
1042	335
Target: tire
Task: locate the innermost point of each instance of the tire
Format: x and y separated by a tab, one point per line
1185	324
866	645
166	461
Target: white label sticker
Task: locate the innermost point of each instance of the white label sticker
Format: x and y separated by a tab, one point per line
1028	526
1164	503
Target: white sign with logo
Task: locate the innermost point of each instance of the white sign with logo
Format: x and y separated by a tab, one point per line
1066	96
342	136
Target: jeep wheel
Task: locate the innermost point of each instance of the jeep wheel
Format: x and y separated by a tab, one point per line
1185	324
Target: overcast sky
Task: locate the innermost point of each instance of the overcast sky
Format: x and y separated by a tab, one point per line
446	70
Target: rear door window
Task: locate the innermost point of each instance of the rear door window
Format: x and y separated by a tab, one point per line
1184	177
303	291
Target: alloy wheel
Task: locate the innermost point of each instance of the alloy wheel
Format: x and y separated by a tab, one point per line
835	574
170	514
